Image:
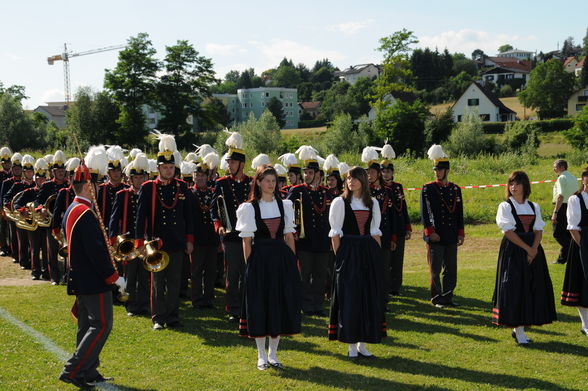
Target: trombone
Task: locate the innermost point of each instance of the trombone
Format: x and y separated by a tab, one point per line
299	216
154	260
223	212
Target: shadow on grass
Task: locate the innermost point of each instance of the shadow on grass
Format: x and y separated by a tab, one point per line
107	387
351	381
559	347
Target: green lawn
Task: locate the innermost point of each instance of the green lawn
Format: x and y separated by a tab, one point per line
427	348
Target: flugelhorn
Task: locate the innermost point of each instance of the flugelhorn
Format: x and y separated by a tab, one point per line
223	212
124	249
44	217
63	249
154	260
26	220
299	217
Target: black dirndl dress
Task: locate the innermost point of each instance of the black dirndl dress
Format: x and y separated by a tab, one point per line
357	308
575	287
272	286
523	293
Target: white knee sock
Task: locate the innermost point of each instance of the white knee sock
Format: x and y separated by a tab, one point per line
520	334
583	316
362	349
352	350
273	349
261	355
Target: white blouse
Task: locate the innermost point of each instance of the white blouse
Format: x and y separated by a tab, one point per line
337	215
269	210
574	214
506	221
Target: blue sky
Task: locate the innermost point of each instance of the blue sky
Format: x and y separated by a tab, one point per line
242	34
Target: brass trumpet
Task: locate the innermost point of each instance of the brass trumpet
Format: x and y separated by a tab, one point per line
124	249
45	221
154	260
299	217
63	249
223	212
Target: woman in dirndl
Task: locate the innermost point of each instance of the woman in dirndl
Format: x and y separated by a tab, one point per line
575	287
357	309
272	292
523	294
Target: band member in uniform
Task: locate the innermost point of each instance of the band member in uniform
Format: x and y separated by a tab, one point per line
107	191
282	178
523	294
575	287
442	217
28	171
334	181
122	222
51	188
206	240
5	173
401	228
165	213
231	191
311	203
64	198
272	291
16	175
90	276
37	236
294	172
357	310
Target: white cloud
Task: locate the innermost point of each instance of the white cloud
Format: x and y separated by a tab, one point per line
12	56
467	40
350	28
53	95
217	49
275	50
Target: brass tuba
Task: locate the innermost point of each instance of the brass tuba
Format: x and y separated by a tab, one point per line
154	260
223	212
299	216
124	249
45	222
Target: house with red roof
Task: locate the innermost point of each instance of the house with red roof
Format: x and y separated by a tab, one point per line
477	98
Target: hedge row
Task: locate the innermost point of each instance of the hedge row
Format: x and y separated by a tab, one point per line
311	123
546	126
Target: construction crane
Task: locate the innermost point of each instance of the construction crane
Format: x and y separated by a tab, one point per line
66	55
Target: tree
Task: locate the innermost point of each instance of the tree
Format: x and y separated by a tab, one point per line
261	136
360	93
548	89
467	137
577	136
583	81
105	113
133	84
403	125
505	48
397	44
478	55
286	76
521	136
18	130
569	49
232	76
274	105
342	137
214	114
438	127
16	91
182	89
80	120
585	45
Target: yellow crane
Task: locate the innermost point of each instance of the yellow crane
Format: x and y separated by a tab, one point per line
66	55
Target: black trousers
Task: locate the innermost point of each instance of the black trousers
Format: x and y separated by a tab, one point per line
13	240
235	270
561	234
38	250
165	291
313	271
396	266
54	269
203	274
94	326
4	234
24	249
137	286
443	267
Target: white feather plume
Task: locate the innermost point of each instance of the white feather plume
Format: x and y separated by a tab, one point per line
28	160
288	159
115	153
72	163
204	150
331	163
127	170
153	166
97	159
281	170
16	157
49	158
343	168
369	154
167	142
187	168
436	152
234	141
41	164
124	162
306	152
260	160
388	152
59	157
141	162
211	160
191	157
177	158
134	152
224	164
5	152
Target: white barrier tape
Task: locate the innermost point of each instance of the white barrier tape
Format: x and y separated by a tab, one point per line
486	186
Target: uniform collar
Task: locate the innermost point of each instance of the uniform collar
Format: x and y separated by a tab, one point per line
83	200
441	184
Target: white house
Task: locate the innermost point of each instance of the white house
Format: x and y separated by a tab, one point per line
518	54
354	72
484	102
54	113
577	101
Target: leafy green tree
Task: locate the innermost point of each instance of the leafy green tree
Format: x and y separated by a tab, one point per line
463	64
336	100
403	124
80	119
133	84
577	136
105	113
18	130
468	139
276	108
16	91
506	91
569	49
182	89
232	76
521	136
548	89
505	48
583	80
478	55
585	45
342	136
438	127
214	115
286	76
261	136
304	72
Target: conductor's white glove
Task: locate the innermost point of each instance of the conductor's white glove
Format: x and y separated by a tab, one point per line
121	283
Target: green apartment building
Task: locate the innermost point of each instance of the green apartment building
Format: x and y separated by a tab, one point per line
253	100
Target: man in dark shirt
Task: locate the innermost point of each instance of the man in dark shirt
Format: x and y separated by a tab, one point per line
5	172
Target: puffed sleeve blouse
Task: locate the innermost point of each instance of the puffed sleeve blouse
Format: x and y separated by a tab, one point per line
574	214
337	215
505	220
246	216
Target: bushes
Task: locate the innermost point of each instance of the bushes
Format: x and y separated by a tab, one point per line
521	136
342	137
468	139
311	123
577	136
543	126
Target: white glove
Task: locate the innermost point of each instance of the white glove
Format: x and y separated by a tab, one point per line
121	283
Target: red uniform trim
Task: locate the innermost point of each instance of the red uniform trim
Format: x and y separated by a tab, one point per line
125	210
429	230
112	278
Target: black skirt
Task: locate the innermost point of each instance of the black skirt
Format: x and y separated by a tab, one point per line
357	308
272	292
523	293
575	287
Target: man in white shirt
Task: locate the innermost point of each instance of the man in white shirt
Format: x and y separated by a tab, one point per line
565	185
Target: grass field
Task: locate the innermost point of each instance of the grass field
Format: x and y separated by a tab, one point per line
427	348
512	103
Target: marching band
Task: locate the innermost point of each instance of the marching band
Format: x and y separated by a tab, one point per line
301	231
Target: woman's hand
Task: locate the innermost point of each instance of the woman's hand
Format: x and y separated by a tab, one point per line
531	254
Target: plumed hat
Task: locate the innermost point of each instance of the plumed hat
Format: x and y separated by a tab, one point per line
209	162
331	165
28	162
139	165
71	164
224	164
5	154
191	157
370	157
260	160
281	170
58	160
41	168
343	169
308	155
186	170
16	159
235	144
388	154
167	147
291	162
115	155
438	156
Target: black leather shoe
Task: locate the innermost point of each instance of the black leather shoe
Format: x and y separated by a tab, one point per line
174	325
233	319
99	379
76	382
